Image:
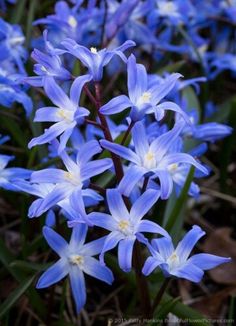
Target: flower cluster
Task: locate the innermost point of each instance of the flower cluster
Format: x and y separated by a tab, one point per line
110	175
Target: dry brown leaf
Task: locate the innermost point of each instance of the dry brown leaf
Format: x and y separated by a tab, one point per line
212	305
219	242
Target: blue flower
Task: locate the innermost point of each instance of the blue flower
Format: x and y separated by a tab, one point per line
66	114
142	99
11	91
93	59
66	182
155	160
48	64
126	226
8	176
11	44
76	258
176	262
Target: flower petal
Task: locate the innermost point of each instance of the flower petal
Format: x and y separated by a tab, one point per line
116	205
131	178
125	252
143	204
207	261
116	105
152	227
94	268
120	150
150	264
53	274
55	241
78	287
189	272
186	245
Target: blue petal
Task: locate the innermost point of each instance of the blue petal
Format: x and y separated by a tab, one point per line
87	151
47	114
77	87
94	168
78	287
150	264
131	178
161	145
140	139
94	247
53	274
103	220
186	245
125	252
173	107
56	94
189	272
166	183
55	241
183	158
159	91
122	151
48	175
164	246
78	236
94	268
143	204
50	134
137	79
111	241
149	226
207	261
116	205
116	105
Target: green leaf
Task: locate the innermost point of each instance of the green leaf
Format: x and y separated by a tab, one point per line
15	295
187	314
173	214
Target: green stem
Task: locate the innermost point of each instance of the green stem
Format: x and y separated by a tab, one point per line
160	294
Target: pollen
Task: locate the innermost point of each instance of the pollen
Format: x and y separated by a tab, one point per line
145	98
173	167
65	115
149	161
94	50
123	225
73	178
76	260
72	21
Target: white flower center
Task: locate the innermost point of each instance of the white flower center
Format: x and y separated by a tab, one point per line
73	178
66	115
76	260
72	21
167	8
173	261
125	227
94	50
149	161
172	167
16	40
145	98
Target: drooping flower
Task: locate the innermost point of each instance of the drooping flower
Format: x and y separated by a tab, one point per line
176	262
155	160
65	114
93	59
76	259
126	226
143	99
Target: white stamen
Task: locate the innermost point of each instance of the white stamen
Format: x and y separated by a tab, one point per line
76	260
149	161
94	50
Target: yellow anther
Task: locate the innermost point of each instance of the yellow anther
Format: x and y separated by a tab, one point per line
76	260
123	225
145	98
173	167
66	115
